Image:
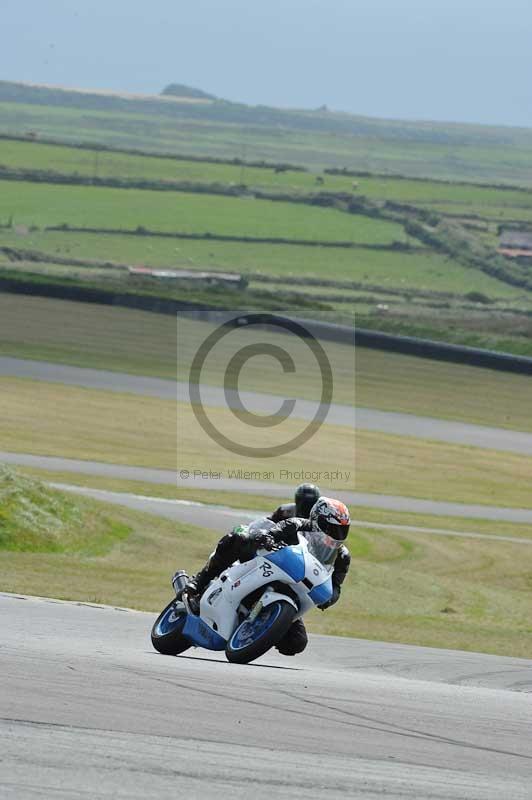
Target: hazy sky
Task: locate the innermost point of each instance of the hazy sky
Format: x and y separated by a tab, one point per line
463	60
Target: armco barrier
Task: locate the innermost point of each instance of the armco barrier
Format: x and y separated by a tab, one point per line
424	348
409	345
344	334
442	351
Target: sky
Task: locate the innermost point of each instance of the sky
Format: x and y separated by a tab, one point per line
449	60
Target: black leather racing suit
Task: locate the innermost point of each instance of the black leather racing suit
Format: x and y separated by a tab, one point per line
237	546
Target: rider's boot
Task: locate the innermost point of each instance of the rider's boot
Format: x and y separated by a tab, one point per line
227	551
197	585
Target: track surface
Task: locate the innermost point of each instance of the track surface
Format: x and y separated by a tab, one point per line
89	710
362	418
274	490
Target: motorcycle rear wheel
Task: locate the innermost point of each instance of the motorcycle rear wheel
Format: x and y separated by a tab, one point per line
167	632
252	639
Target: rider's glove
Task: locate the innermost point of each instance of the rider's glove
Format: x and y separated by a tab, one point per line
263	540
332	600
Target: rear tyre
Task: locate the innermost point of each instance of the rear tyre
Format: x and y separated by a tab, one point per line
167	632
252	639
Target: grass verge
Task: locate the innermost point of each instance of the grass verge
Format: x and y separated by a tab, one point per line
35	518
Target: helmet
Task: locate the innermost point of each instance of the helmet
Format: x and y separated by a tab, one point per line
331	517
306	496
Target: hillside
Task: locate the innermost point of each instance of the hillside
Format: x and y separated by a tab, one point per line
195	125
180	90
393	224
410	256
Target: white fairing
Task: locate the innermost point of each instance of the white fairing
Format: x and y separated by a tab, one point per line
220	602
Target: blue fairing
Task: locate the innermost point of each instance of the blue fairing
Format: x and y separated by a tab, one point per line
200	634
320	594
291	560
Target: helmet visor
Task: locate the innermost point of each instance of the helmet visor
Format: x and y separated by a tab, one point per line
338	532
324	548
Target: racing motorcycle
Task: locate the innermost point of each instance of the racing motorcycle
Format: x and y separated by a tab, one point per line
250	606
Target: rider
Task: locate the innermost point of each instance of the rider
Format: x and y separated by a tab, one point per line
306	495
328	517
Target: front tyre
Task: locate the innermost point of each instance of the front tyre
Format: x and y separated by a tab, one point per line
167	632
253	639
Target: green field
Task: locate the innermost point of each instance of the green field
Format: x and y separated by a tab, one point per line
71	161
277	295
448	198
423	270
494	213
102	164
88	206
421	291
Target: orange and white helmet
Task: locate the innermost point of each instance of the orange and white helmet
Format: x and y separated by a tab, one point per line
331	517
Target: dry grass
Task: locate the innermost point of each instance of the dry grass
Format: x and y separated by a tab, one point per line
437	592
142	343
50	419
395	382
85	335
410	467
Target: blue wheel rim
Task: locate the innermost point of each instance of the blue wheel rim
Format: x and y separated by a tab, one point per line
169	621
249	632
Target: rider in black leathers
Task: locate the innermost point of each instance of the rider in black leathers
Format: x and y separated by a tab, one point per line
240	546
305	496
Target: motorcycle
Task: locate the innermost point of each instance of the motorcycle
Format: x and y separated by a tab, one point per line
250	606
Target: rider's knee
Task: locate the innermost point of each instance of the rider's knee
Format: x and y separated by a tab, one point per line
294	641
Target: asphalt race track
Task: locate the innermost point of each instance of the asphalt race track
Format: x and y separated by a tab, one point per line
90	710
362	418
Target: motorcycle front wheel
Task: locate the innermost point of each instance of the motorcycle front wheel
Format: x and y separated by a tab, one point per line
253	639
167	632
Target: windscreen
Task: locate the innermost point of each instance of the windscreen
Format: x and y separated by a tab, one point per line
261	524
322	547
